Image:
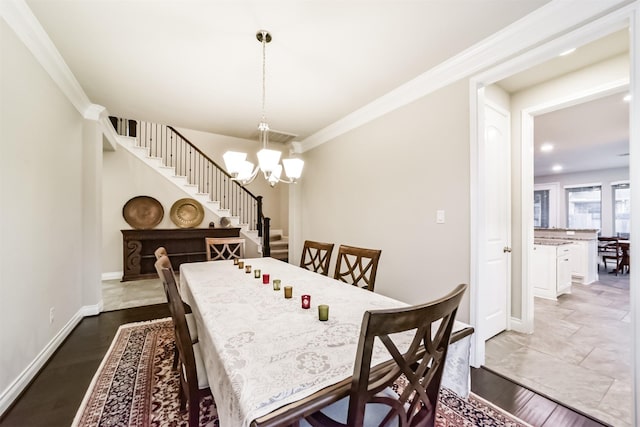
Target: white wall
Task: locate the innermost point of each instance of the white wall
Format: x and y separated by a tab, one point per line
42	215
275	200
604	177
379	186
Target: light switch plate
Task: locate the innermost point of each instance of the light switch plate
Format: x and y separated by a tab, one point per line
440	216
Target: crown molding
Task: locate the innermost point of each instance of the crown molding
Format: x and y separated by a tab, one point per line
545	23
28	29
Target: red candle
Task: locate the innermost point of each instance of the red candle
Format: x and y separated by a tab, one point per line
265	278
306	301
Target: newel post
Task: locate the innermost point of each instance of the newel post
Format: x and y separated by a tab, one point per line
266	245
260	216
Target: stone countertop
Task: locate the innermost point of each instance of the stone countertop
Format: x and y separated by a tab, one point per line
575	234
551	242
588	230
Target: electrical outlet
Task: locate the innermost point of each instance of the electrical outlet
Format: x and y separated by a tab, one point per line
52	314
440	216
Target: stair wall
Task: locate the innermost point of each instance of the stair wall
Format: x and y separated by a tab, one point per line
126	174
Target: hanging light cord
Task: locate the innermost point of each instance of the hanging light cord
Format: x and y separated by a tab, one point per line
263	127
264	73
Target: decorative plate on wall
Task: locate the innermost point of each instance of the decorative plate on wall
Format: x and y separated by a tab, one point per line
187	213
143	212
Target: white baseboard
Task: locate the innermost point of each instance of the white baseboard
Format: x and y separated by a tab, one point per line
112	275
11	393
517	325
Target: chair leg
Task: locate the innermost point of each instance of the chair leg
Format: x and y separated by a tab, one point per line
175	358
183	400
194	411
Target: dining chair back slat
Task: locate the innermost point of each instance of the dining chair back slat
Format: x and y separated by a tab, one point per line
223	248
357	266
316	256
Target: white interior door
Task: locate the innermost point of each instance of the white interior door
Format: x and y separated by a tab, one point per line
494	300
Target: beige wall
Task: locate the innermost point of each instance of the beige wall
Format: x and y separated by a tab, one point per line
379	186
42	213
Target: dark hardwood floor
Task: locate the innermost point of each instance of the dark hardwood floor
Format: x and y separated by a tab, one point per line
55	394
526	404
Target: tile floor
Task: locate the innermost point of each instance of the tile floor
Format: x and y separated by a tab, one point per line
117	295
580	351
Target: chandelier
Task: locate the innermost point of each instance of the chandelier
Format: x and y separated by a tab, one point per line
268	160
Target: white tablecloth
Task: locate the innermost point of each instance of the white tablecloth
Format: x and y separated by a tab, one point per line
262	351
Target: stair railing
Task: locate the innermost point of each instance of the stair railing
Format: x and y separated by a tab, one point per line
189	161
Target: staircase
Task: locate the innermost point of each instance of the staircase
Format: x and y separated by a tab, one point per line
279	245
171	155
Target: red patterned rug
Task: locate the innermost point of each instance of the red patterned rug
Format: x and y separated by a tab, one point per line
135	385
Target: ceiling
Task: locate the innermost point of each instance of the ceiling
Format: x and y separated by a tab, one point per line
197	64
589	136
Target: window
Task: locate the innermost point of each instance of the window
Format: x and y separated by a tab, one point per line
541	208
545	204
584	207
621	209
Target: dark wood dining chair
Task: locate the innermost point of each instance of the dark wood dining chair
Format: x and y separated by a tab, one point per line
371	400
316	256
193	379
221	248
357	266
160	252
609	249
164	263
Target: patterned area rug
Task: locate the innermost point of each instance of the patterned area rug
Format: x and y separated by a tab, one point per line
136	386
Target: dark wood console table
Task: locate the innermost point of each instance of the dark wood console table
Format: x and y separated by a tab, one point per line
182	245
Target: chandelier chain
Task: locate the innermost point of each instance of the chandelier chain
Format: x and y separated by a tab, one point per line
264	73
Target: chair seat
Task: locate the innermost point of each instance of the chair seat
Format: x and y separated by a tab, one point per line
203	382
191	323
374	413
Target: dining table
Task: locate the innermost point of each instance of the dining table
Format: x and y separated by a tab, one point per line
268	360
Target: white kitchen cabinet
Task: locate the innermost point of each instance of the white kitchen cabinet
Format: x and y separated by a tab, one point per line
584	261
551	270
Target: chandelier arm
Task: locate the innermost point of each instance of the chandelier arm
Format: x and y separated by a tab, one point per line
244	182
288	181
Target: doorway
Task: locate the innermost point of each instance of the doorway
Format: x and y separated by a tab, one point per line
521	316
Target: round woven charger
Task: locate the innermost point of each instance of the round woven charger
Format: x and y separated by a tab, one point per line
142	212
187	213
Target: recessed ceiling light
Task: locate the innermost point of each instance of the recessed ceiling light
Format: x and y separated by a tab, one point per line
627	98
556	168
546	147
567	52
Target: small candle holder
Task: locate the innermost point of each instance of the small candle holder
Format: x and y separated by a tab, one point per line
247	268
306	301
265	278
276	284
240	264
288	291
256	273
323	312
235	261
